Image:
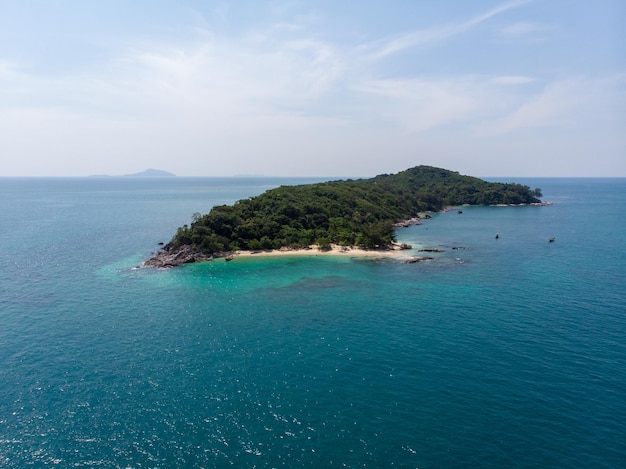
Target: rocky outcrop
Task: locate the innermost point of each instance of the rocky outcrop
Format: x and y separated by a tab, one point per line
409	222
532	204
166	257
413	260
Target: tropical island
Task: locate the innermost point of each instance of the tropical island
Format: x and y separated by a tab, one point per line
353	213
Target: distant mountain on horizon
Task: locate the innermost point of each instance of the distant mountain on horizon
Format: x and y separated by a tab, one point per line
151	173
148	173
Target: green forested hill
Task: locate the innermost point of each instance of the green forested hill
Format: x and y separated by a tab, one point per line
349	212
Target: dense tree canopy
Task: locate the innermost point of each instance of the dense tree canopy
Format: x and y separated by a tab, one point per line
349	212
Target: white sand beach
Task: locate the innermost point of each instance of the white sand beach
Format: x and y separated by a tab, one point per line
335	250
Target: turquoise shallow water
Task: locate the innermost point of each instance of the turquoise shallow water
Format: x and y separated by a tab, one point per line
500	353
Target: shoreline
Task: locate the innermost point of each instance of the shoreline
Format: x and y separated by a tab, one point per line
186	255
335	250
165	258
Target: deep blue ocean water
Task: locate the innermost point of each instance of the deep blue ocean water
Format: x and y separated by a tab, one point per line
499	353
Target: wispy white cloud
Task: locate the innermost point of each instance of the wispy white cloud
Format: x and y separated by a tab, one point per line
393	45
524	28
5	67
553	106
526	32
268	84
568	103
418	105
274	71
513	80
284	89
424	103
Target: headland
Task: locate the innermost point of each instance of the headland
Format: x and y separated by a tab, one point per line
316	219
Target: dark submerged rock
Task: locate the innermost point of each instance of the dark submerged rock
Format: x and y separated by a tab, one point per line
413	260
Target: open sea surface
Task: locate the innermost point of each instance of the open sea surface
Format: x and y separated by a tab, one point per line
498	354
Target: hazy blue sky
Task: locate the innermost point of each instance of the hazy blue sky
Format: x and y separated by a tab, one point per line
323	88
